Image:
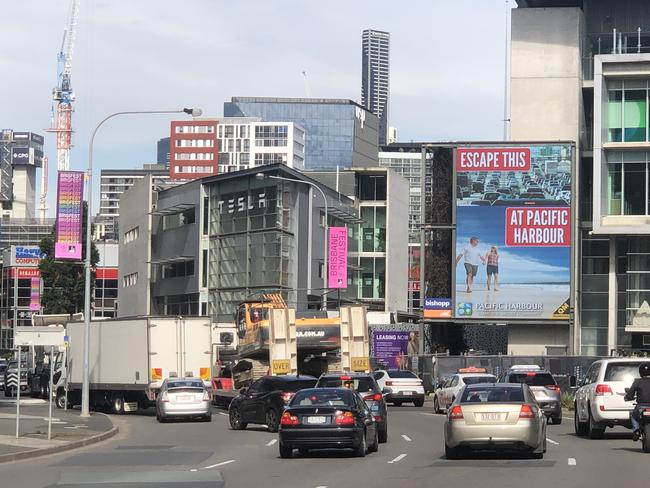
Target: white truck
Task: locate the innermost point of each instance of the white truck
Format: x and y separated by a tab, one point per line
130	358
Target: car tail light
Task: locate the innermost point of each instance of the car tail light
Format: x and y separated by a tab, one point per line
646	412
379	419
164	397
206	396
603	390
375	397
288	419
345	378
456	413
389	383
345	418
555	388
531	374
287	396
526	412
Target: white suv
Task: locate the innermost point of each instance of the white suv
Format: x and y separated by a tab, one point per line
404	386
599	402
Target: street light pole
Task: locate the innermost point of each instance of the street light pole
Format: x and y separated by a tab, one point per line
262	176
85	387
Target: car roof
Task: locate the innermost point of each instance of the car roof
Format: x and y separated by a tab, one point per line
472	375
292	377
623	360
350	375
494	385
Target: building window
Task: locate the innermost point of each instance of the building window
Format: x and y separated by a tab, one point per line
627	110
175	270
263	159
372	187
131	235
627	182
129	280
179	219
271	135
373	229
204	268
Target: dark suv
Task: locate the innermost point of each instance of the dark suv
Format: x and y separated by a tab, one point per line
264	401
544	387
366	386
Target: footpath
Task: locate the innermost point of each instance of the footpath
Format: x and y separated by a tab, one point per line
69	430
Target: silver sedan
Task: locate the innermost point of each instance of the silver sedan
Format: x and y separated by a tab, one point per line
500	416
183	398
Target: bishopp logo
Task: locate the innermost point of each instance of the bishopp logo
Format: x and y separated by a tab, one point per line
464	310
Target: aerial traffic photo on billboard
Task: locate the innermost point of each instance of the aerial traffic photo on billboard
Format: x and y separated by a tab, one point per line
513	232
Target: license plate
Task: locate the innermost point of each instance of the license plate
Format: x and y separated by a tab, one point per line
408	393
491	417
316	420
186	398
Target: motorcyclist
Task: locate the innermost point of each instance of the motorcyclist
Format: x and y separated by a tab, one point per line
640	390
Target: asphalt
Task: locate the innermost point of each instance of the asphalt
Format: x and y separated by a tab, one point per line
69	430
188	454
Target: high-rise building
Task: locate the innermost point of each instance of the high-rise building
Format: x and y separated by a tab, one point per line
588	80
162	151
338	132
193	149
375	76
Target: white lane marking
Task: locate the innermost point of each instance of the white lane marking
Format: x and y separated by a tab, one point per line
429	413
223	413
270	443
322	486
193	470
571	461
223	463
397	459
555	443
406	438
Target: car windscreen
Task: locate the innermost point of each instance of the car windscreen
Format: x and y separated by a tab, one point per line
532	378
293	386
622	372
473	380
493	394
402	374
362	384
173	385
334	397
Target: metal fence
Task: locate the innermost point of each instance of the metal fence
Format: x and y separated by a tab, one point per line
433	368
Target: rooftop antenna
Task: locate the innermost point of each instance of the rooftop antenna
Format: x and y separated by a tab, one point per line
307	90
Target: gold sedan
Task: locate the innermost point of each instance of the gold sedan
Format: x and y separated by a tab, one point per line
495	416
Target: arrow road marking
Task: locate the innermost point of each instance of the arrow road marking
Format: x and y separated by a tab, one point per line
397	459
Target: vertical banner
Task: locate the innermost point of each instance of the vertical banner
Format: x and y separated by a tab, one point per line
337	258
69	212
35	295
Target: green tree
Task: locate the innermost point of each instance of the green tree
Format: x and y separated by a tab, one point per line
64	281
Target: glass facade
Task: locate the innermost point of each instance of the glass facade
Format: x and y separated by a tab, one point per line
594	295
627	110
329	127
627	182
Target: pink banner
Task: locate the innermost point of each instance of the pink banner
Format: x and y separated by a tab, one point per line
35	295
338	258
69	212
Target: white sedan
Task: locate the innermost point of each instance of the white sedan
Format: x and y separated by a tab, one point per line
404	386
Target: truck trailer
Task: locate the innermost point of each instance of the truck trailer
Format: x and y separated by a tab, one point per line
131	357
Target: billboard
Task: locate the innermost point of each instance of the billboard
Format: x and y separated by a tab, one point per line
435	308
69	211
337	258
22	155
513	232
391	349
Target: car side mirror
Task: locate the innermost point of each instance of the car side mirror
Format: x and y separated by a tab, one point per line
627	390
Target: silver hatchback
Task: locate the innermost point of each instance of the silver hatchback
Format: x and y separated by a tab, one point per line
183	398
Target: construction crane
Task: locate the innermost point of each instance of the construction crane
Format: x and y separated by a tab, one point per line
62	95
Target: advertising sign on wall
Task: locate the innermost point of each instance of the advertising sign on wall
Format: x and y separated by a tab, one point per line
513	232
35	295
22	155
69	210
337	259
437	308
391	349
27	255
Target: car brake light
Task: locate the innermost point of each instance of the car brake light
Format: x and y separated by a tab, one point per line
345	378
378	417
389	383
345	418
164	397
456	413
531	374
555	388
646	411
603	390
526	412
288	419
376	397
287	396
206	396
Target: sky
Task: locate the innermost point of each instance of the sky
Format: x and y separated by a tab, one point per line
447	65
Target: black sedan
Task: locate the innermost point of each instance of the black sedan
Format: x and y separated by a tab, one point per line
324	418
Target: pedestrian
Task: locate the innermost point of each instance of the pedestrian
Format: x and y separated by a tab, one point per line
472	259
492	258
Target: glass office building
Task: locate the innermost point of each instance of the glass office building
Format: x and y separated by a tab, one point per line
337	132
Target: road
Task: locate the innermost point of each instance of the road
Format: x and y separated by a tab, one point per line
200	455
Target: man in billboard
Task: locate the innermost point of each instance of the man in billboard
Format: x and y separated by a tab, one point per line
472	260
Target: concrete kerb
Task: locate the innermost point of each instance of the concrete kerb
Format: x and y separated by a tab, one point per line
94	439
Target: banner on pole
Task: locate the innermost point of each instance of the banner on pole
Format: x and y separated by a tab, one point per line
337	261
69	214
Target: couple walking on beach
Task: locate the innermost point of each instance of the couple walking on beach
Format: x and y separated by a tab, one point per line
473	259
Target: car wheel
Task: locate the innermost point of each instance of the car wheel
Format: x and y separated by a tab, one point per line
593	430
556	420
579	427
235	419
646	438
272	421
161	419
60	400
419	402
285	451
207	418
362	448
303	451
452	452
436	405
374	447
118	404
537	455
383	433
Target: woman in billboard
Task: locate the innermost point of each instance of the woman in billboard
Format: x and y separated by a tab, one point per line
492	260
